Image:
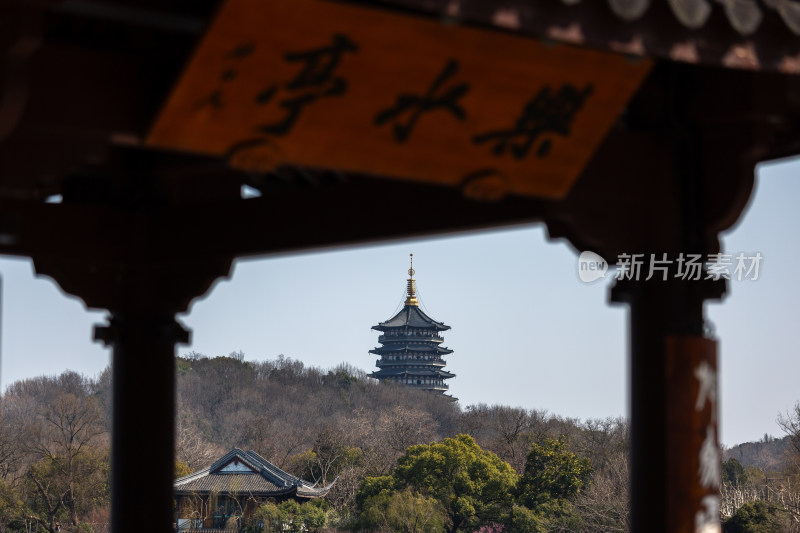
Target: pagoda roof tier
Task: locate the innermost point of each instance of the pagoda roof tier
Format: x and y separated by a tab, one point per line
383	339
397	348
413	317
411	372
386	363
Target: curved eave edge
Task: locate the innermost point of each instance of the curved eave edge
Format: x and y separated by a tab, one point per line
184	492
438	326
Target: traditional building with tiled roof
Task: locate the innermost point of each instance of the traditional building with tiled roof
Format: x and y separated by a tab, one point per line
411	351
233	487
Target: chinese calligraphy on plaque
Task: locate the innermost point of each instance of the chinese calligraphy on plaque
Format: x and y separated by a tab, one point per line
342	86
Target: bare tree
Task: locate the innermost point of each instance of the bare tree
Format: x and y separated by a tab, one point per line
511	425
604	505
66	435
790	423
274	437
329	454
474	421
191	448
10	453
60	430
402	427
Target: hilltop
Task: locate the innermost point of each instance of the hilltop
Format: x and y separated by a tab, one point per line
768	454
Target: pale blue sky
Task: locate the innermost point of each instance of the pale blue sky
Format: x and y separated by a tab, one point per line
525	331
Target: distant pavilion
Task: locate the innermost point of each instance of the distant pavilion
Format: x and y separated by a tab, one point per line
411	352
232	488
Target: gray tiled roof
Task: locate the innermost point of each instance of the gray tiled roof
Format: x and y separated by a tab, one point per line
232	483
262	479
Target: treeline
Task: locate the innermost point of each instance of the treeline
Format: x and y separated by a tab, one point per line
339	424
320	424
760	490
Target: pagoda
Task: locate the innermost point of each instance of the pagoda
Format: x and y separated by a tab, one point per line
411	350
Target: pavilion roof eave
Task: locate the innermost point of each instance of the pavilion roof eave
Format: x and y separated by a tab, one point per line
314	491
265	494
747	34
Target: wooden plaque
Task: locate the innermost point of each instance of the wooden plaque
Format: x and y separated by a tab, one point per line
331	85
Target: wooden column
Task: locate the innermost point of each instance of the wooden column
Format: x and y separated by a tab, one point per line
143	443
673	407
141	273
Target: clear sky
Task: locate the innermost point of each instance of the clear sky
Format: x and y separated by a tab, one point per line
525	331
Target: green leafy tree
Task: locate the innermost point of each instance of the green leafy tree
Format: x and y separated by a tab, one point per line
10	506
301	518
402	512
552	475
267	519
758	517
473	486
754	475
288	516
69	484
182	469
374	486
50	490
733	472
523	520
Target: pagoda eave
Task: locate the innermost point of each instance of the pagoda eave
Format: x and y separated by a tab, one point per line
411	350
407	372
402	327
411	316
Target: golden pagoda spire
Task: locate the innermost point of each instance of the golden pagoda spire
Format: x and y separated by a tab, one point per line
411	299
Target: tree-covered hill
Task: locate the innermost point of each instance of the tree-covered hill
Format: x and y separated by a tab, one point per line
768	454
326	424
